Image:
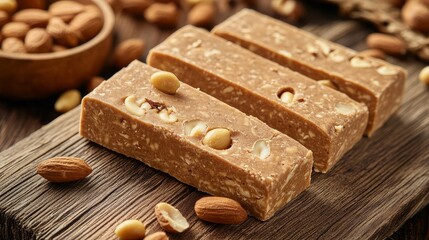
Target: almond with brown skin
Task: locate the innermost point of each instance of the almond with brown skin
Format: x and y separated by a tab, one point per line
63	169
135	6
32	17
386	43
23	4
13	45
162	14
61	32
4	18
202	14
220	210
15	29
416	15
66	10
38	40
127	51
87	25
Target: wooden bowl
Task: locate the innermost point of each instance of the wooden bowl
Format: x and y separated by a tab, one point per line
33	76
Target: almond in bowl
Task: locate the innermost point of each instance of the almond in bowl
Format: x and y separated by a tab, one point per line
66	43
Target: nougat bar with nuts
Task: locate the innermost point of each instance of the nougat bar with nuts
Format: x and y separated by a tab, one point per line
377	84
325	121
182	134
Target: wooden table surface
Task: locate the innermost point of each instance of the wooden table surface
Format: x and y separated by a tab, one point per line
20	119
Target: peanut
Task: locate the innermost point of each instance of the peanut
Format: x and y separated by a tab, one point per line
170	218
165	82
131	230
218	138
67	101
424	75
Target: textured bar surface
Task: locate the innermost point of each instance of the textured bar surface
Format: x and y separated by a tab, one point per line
376	83
324	120
262	185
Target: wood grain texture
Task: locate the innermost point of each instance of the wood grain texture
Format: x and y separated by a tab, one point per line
377	186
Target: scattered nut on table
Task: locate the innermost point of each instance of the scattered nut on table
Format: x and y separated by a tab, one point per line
157	236
424	75
162	14
131	230
127	51
170	218
63	169
220	210
68	100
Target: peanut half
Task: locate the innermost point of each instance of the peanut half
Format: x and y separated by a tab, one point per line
170	218
131	230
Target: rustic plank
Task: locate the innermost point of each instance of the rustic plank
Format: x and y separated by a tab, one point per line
374	189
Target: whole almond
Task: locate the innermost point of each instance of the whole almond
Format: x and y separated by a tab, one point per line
4	18
63	169
220	210
135	6
202	14
13	45
386	43
375	53
15	29
38	40
87	24
66	10
40	4
162	14
61	32
33	17
8	6
127	51
416	15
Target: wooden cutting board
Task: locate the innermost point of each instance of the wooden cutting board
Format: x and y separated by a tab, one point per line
378	184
